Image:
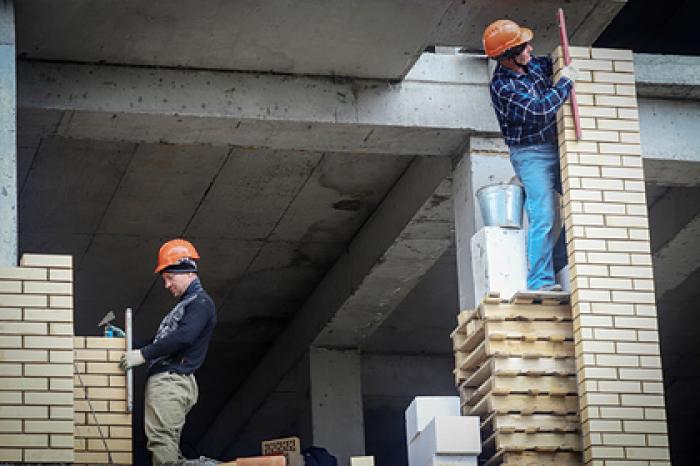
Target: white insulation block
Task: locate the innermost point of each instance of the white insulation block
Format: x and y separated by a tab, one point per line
445	436
423	409
499	261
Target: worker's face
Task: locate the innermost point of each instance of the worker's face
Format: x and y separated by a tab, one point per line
524	57
177	283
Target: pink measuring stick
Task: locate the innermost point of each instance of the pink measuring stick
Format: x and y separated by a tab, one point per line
567	60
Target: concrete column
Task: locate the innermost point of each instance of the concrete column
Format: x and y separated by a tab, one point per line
8	137
336	403
486	163
621	392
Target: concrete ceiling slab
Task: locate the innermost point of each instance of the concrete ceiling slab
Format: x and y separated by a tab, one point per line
464	22
251	193
161	188
379	39
70	184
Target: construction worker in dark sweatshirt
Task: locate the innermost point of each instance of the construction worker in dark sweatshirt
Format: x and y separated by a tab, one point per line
526	104
177	351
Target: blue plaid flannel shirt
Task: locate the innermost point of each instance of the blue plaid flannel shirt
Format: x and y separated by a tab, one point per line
526	105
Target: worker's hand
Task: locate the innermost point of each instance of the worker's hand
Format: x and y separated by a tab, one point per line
570	71
131	359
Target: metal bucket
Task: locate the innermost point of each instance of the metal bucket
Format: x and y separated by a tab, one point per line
501	205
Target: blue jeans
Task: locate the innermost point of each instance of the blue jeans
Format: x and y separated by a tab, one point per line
537	166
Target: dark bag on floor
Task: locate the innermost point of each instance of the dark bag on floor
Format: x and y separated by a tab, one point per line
316	456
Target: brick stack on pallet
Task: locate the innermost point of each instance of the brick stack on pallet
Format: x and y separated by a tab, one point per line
36	360
97	361
515	368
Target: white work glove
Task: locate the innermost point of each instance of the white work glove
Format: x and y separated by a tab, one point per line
570	71
131	359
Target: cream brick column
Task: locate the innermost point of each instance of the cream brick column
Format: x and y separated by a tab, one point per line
97	360
617	351
36	360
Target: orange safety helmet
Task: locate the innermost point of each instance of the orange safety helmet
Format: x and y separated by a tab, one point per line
173	252
504	34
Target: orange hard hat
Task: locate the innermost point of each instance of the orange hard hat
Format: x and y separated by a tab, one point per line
174	252
504	34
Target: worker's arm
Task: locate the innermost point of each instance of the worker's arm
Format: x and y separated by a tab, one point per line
522	107
194	320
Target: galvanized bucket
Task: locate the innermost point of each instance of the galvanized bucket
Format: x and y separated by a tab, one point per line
501	205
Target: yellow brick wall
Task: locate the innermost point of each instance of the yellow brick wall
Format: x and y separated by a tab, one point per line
617	351
97	359
36	360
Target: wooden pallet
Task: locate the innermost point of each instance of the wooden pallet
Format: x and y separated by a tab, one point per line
510	311
514	366
529	297
526	348
509	423
506	385
527	458
523	404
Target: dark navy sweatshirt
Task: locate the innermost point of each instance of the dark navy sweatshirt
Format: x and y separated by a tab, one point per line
186	347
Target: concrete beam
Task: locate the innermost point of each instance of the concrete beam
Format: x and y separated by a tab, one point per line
8	137
670	141
667	76
424	116
678	258
396	215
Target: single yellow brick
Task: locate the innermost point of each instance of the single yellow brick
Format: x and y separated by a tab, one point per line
625	89
111	419
618	125
64	302
593	112
100	406
61	275
120	432
24	355
44	287
78	342
90	355
24	412
8	426
637	348
89	431
57	342
616	101
9	370
61	441
112	444
117	381
48	315
594	88
623	66
24	440
117	406
600	136
21	273
92	380
10	286
49	427
61	384
10	341
615	78
48	370
115	355
23	328
592	65
54	455
61	412
628	113
24	383
631	138
60	329
61	356
633	297
105	343
10	313
101	393
46	260
104	368
611	54
626	221
22	300
48	398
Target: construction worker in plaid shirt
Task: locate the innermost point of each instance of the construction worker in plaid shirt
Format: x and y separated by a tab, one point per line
526	104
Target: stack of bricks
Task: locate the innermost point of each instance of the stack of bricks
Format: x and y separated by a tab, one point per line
36	360
515	369
97	361
613	303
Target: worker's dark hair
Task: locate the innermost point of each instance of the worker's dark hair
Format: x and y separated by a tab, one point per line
513	51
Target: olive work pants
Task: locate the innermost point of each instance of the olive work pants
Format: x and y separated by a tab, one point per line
169	397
